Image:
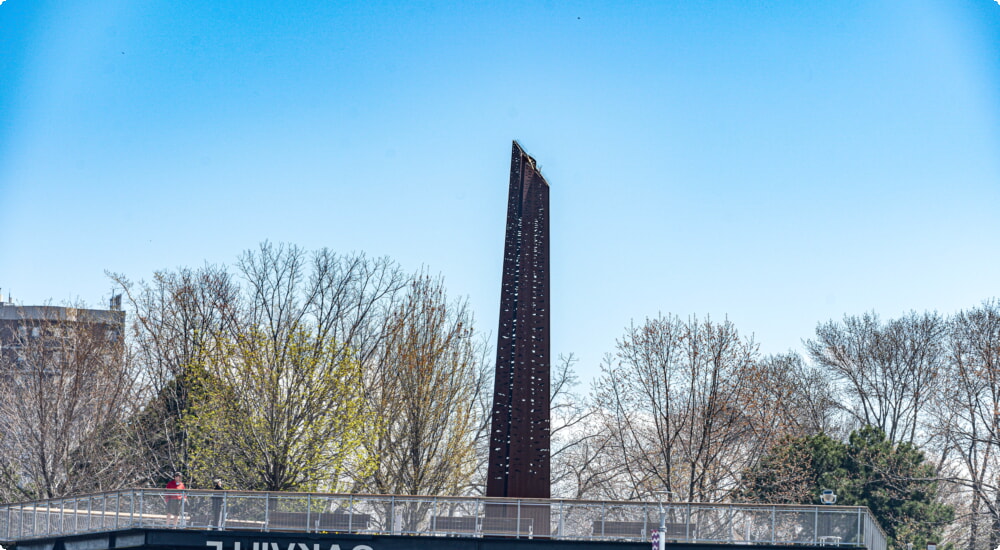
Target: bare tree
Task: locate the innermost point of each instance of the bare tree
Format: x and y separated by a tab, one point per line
423	396
970	420
889	370
803	395
353	296
65	395
680	400
577	438
588	466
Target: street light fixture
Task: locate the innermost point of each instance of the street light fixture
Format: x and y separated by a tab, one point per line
662	498
828	497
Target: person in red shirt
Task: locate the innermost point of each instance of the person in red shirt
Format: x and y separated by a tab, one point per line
174	499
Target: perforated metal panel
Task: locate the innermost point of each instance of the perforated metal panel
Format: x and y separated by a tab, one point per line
519	442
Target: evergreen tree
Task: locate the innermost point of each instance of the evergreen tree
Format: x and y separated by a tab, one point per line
897	484
893	480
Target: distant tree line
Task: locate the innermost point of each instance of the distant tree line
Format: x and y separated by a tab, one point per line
316	371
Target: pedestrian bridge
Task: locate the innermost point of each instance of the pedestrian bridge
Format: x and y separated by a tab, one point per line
237	520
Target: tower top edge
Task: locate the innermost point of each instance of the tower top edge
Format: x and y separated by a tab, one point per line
531	161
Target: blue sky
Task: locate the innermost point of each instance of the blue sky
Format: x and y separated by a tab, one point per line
780	163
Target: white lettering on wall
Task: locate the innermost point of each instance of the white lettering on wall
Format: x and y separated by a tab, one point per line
217	545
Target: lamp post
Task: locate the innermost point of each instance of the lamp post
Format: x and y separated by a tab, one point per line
827	497
662	498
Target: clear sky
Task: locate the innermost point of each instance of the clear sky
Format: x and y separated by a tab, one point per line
781	163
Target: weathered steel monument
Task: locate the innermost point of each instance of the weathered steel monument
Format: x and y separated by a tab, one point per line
519	441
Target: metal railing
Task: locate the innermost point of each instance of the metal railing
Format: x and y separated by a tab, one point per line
844	526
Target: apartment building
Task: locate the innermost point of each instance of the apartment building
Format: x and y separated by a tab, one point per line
54	332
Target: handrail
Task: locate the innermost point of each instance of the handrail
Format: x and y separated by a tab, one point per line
560	519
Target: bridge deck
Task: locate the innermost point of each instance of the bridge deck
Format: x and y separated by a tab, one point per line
323	514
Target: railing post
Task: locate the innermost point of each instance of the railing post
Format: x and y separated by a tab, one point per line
645	521
562	516
732	532
350	505
180	519
224	513
479	525
518	518
687	524
858	539
816	525
350	514
434	511
773	530
267	512
604	515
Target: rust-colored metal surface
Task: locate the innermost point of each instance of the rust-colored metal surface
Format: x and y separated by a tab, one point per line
519	440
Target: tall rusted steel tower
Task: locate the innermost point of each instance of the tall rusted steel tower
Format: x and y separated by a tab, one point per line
519	441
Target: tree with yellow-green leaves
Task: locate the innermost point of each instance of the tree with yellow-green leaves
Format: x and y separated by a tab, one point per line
277	415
